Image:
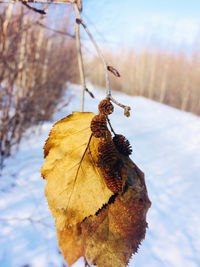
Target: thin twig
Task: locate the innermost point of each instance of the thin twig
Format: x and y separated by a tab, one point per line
65	104
79	53
25	29
30	219
56	31
126	108
86	262
40	11
67	34
112	130
79	5
108	89
107	68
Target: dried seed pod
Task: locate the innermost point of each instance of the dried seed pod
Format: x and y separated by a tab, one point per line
107	153
106	107
98	125
122	144
113	181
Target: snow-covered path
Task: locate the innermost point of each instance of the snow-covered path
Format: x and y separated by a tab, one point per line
166	146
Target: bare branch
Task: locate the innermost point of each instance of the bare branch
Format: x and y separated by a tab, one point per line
56	31
111	126
126	108
79	4
108	89
79	53
86	262
40	11
106	67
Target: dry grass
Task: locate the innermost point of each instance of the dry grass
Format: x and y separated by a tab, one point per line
170	78
35	65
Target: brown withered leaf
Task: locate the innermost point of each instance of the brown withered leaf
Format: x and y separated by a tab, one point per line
115	233
75	187
70	243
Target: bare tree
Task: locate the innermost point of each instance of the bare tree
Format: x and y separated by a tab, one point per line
33	74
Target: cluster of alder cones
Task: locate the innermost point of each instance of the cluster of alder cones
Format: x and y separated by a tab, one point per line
108	160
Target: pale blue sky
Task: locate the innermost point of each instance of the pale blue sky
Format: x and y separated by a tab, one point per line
170	23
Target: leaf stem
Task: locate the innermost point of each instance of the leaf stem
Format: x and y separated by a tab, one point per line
111	126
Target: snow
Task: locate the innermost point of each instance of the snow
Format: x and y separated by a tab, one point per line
165	146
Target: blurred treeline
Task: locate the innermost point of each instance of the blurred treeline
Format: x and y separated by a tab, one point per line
35	66
172	78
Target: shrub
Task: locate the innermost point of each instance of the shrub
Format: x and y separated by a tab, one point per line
35	65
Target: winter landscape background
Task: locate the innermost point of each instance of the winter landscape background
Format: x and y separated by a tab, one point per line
165	145
155	47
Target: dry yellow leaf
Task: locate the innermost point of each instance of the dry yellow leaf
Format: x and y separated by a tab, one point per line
75	187
107	235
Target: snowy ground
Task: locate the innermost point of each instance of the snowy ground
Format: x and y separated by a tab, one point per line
166	146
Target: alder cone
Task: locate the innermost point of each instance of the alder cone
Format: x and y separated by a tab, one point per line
106	107
99	125
122	144
113	181
110	165
108	154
